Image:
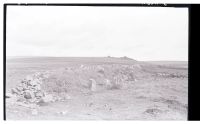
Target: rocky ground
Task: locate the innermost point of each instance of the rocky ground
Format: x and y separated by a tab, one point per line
98	89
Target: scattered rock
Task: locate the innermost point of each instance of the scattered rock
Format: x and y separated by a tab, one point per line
19	88
41	102
63	112
21	99
48	98
37	87
34	112
91	104
14	91
39	94
81	66
9	95
28	95
66	97
153	111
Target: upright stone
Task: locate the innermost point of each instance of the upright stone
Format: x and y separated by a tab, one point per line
93	85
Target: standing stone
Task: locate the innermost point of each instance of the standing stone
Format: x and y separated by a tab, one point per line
93	85
108	83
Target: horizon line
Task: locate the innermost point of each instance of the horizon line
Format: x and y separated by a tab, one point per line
90	57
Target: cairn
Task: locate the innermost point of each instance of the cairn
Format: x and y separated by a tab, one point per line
29	90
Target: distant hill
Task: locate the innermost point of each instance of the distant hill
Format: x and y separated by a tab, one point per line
93	60
126	58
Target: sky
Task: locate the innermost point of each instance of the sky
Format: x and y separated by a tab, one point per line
141	33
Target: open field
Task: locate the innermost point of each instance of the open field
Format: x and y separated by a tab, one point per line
103	88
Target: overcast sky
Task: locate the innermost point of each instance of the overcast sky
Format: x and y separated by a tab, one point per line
142	33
